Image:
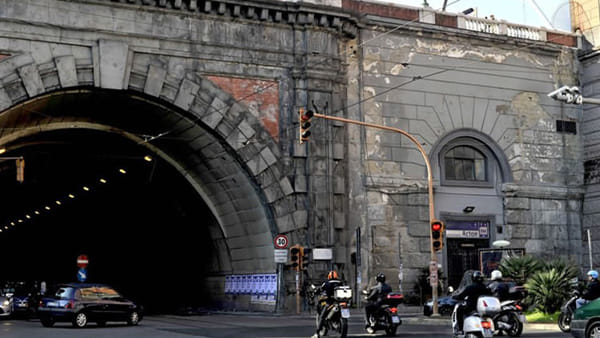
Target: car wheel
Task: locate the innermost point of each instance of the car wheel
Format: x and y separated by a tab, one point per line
80	320
47	322
593	331
134	318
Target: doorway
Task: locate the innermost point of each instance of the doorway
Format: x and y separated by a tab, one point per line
463	255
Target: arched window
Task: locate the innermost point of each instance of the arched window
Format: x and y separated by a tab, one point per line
465	163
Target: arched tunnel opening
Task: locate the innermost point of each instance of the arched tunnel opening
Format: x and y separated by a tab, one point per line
145	230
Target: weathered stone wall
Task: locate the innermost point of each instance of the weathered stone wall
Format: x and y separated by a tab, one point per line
590	128
432	84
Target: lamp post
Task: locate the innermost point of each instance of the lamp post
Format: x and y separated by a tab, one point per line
434	290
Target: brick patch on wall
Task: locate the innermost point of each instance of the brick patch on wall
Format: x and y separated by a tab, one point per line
260	96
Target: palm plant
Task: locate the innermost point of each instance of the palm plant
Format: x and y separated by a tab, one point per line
549	288
519	268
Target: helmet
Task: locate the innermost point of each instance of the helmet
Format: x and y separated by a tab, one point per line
593	273
477	277
380	277
332	275
496	274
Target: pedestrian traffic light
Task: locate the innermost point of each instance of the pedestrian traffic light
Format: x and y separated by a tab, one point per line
20	170
296	252
304	117
437	238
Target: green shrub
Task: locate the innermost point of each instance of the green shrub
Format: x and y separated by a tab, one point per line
549	288
520	268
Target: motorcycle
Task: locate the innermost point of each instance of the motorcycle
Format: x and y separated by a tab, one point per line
338	312
510	319
479	323
386	316
566	313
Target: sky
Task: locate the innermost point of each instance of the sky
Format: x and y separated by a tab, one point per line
514	11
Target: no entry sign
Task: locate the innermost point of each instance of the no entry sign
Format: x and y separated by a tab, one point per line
82	261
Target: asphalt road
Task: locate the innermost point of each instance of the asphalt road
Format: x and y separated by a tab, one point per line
226	325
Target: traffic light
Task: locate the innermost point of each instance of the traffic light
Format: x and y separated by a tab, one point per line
304	117
304	260
437	238
296	252
20	170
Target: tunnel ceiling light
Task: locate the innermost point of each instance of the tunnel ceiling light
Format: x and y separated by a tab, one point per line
6	227
58	202
37	212
71	196
86	188
28	216
102	180
2	150
47	207
12	223
148	158
122	171
20	221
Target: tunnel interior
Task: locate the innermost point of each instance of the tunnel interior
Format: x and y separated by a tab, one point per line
145	231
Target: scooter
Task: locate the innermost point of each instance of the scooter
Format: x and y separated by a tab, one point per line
480	322
386	316
510	319
566	313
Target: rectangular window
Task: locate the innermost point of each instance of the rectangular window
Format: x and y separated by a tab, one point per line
564	126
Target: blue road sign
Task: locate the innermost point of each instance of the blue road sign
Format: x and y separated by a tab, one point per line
82	275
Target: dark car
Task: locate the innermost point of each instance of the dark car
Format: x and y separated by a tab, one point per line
25	298
586	320
80	303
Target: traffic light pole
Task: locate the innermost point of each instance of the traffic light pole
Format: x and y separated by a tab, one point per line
434	289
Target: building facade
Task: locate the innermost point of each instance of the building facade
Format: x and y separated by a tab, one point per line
228	78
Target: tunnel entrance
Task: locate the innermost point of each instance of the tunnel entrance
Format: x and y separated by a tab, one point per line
145	230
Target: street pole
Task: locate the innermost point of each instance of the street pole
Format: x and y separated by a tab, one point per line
434	290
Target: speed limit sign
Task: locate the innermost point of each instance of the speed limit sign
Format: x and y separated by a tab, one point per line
281	241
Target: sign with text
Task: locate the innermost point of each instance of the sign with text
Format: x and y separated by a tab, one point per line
467	229
281	255
322	254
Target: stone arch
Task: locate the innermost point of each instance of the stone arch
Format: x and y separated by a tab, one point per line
215	122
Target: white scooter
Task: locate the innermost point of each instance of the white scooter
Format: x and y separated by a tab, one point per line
480	322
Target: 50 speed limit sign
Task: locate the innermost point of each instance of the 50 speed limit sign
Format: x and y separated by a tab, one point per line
281	241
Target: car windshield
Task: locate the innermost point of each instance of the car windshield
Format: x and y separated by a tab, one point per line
98	292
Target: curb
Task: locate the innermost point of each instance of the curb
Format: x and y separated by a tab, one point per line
448	322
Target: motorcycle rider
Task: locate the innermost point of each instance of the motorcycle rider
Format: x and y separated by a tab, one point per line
326	295
498	287
470	293
376	295
592	290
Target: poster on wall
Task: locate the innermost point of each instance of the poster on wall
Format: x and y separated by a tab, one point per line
489	259
228	285
262	288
